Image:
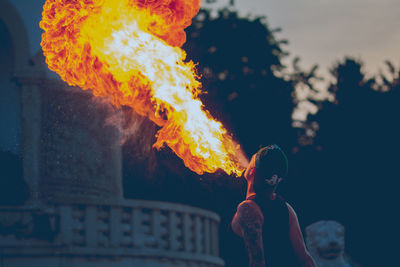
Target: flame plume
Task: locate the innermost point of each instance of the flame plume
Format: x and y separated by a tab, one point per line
129	51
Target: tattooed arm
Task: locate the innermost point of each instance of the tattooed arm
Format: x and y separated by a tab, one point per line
247	223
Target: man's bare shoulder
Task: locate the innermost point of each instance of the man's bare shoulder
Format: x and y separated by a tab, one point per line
292	214
247	203
249	210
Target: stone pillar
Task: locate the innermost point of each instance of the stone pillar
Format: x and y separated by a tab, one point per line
30	134
69	150
80	153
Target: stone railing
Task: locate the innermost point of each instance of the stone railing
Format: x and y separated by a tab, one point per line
148	232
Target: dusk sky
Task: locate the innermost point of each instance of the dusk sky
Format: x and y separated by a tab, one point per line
322	31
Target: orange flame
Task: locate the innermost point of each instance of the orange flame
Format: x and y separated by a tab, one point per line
129	51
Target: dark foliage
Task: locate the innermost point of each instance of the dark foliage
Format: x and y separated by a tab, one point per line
354	173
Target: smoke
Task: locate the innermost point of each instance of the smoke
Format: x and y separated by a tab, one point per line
131	125
137	135
242	157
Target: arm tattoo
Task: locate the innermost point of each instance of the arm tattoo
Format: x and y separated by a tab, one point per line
251	223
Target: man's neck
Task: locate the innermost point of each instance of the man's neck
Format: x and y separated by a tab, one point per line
250	191
251	194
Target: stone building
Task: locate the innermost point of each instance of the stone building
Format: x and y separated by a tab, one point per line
65	208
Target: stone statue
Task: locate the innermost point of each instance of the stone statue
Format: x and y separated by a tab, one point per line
325	242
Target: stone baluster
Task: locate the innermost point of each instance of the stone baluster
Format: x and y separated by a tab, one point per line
198	235
136	221
156	227
90	226
115	226
126	228
173	231
207	249
187	232
66	223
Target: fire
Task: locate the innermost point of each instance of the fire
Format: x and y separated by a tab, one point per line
129	52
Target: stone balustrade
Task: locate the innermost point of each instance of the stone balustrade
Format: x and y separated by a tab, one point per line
146	232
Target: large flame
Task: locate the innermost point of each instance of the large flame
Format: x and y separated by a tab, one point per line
129	51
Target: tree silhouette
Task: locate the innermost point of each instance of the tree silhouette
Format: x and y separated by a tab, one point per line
239	60
355	168
390	81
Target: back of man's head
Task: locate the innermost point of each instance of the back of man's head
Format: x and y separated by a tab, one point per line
270	161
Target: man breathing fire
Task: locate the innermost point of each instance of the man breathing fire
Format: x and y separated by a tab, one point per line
265	221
